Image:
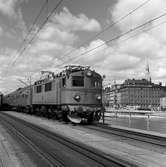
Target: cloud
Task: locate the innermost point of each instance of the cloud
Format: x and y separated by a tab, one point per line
130	53
53	33
59	35
75	23
126	57
122	59
12	19
42	46
140	46
53	41
7	7
143	14
1	31
105	59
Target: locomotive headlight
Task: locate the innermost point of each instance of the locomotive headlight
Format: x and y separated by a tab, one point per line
77	97
89	73
98	97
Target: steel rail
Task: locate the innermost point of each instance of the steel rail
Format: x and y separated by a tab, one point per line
91	153
130	134
47	156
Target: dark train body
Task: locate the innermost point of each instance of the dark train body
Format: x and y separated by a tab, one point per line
75	94
1	101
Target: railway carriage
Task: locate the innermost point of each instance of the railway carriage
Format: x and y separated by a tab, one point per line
18	100
1	100
75	94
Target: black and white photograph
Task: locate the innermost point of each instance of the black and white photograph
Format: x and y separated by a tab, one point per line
82	83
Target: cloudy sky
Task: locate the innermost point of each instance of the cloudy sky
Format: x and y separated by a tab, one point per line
69	38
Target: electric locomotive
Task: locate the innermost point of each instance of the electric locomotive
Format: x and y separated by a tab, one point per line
74	94
1	100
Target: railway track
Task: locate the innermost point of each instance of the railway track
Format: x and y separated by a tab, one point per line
47	156
87	156
134	134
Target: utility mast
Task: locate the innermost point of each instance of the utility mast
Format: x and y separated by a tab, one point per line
147	70
115	94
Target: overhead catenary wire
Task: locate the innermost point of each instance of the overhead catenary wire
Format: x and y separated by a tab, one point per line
32	27
144	30
119	36
108	27
38	30
24	48
122	34
45	4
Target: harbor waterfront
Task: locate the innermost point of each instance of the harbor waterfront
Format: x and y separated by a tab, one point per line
144	120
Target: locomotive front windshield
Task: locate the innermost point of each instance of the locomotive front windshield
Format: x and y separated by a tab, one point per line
96	82
78	81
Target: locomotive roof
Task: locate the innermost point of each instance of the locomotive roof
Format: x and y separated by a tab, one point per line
18	91
74	68
67	71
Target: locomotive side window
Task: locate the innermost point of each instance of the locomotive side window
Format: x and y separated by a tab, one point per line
38	89
78	81
63	82
48	86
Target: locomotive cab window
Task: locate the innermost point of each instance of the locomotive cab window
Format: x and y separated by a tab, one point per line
78	81
38	89
63	82
48	86
96	83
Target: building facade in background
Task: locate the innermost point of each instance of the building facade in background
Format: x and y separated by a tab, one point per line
135	93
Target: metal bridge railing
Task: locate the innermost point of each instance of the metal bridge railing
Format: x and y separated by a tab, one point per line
113	114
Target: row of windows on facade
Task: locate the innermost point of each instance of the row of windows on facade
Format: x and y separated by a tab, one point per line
136	96
139	104
139	93
133	99
77	81
135	93
141	96
141	101
139	89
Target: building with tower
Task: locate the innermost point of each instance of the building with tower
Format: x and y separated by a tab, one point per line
147	72
135	93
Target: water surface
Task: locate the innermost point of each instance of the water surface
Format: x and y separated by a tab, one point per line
154	123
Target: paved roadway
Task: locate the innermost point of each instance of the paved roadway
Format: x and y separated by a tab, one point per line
46	149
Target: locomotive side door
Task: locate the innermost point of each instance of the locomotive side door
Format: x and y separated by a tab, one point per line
58	91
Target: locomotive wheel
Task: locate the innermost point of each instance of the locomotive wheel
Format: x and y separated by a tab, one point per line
43	111
97	116
90	117
64	116
55	116
59	115
37	111
49	115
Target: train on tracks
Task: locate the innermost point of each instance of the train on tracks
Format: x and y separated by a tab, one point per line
75	95
1	100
